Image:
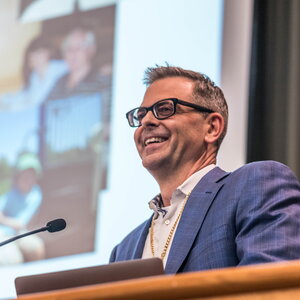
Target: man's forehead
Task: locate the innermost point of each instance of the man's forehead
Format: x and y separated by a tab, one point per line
170	87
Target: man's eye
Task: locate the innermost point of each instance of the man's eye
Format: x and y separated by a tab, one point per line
164	109
140	115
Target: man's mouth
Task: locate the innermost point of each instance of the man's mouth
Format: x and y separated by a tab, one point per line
153	140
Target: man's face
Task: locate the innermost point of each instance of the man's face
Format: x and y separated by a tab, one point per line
77	53
177	141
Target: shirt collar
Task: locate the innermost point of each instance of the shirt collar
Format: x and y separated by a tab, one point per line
156	204
188	185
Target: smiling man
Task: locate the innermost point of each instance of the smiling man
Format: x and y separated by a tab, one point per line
204	217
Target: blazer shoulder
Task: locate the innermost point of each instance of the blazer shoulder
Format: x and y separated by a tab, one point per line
265	172
264	166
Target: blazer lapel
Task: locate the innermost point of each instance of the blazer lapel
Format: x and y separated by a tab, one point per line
192	218
139	246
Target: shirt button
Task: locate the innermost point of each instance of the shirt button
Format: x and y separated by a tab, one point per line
167	222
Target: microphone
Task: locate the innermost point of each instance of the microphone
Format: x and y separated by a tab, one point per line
56	225
52	226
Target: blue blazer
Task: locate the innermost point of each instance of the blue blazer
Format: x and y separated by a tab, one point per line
249	216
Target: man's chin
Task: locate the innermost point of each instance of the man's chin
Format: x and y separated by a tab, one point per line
152	163
156	156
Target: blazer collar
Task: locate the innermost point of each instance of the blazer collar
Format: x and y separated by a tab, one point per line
193	216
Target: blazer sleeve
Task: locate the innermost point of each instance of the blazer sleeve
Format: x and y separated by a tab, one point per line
268	215
112	257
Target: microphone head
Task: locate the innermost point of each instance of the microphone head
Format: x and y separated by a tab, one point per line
56	225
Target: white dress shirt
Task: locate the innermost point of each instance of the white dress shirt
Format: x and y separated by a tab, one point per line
165	217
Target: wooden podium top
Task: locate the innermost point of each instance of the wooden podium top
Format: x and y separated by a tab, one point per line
265	281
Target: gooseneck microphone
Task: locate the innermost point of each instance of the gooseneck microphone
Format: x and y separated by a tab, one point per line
52	226
55	225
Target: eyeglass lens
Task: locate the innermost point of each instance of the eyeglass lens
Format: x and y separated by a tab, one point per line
161	110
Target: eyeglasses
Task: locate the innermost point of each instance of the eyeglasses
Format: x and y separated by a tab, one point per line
161	110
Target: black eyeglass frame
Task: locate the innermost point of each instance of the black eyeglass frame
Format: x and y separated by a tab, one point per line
151	108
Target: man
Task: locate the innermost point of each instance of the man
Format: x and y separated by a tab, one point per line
204	217
78	50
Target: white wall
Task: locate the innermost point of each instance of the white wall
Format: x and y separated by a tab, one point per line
237	31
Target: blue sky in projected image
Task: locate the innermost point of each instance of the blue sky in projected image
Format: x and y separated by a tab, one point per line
18	132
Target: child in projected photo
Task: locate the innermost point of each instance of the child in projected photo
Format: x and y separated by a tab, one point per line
40	72
17	207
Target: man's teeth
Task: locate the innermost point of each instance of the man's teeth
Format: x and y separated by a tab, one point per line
154	140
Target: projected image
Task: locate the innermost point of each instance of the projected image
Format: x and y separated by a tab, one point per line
55	100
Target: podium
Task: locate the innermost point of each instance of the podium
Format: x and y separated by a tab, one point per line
265	281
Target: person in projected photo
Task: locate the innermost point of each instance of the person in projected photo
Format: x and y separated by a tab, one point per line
204	217
40	73
78	50
86	87
17	207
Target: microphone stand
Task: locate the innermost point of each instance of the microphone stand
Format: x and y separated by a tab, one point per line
23	235
52	226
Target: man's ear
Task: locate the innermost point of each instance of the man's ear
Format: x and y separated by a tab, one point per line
216	124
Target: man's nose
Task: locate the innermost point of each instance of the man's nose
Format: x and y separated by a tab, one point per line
149	119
